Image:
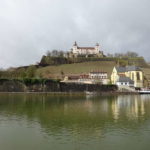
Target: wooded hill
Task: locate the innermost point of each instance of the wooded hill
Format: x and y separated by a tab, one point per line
51	67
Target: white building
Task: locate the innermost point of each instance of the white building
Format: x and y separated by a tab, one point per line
95	77
99	76
76	50
125	81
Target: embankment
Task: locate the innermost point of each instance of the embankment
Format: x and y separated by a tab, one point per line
52	86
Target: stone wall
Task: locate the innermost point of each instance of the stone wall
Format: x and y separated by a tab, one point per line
52	86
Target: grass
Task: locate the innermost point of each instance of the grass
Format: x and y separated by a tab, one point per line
77	68
146	72
59	71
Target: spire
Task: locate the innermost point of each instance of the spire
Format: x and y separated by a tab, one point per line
75	43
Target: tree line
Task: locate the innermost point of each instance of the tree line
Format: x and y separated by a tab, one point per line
129	54
29	72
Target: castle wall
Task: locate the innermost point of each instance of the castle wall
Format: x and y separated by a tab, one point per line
85	50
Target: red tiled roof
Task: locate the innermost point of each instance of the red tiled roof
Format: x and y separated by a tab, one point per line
84	76
73	77
86	47
98	72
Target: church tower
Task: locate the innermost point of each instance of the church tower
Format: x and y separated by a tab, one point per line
97	49
75	47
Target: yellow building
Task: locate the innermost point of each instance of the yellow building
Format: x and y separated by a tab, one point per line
133	72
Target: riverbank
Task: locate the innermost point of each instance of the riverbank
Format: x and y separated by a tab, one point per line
45	86
73	93
54	87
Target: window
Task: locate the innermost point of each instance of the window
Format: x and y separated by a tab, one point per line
133	76
138	75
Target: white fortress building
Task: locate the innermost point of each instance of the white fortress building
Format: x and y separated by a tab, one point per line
86	51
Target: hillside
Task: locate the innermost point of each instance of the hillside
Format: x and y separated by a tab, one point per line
57	70
147	74
50	61
76	68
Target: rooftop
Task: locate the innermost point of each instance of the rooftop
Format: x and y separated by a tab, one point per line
133	68
75	44
86	47
125	79
128	68
121	69
97	72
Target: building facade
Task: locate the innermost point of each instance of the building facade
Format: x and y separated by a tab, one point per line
132	72
125	81
86	51
99	76
94	77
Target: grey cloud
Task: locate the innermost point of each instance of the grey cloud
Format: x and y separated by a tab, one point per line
29	28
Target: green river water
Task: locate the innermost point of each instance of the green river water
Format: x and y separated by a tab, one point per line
46	122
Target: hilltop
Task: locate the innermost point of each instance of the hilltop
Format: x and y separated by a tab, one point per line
58	67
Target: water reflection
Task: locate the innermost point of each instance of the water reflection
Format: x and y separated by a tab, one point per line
75	110
75	118
134	107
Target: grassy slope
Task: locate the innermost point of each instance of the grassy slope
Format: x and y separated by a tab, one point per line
146	72
77	68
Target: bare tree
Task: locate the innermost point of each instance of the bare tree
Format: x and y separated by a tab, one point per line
132	54
48	53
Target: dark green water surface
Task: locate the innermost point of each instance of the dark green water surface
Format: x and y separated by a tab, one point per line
46	122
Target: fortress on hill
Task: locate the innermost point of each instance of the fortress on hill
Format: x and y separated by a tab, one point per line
86	51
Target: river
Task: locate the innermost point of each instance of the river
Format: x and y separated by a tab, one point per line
61	122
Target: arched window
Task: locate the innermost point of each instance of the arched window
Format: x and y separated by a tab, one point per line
138	75
133	76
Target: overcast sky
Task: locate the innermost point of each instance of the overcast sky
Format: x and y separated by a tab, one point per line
28	28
